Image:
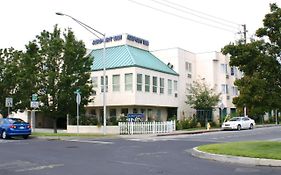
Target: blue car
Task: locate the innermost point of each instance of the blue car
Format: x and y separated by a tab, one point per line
14	127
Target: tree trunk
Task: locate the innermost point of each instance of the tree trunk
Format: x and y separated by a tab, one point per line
55	125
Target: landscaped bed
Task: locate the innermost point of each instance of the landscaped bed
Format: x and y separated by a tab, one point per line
255	149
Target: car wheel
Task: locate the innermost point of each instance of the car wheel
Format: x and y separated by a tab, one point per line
238	127
25	136
4	135
251	126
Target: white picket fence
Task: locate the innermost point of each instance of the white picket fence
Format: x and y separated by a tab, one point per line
146	127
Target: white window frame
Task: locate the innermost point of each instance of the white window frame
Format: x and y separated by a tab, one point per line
129	82
154	84
139	82
170	87
116	83
147	83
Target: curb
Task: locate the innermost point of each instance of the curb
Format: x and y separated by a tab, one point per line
189	132
235	159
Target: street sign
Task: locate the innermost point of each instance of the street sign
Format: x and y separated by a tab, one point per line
77	91
9	102
34	97
78	98
34	104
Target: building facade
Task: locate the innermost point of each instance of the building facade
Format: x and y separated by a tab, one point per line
212	68
137	82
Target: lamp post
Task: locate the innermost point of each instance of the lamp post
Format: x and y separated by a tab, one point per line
96	33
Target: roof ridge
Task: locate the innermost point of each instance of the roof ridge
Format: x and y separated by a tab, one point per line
131	56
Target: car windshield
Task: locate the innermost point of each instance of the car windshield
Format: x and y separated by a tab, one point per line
235	119
15	120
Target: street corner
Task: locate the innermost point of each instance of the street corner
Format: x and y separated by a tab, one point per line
234	159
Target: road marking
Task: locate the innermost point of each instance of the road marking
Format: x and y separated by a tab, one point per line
15	164
152	154
40	167
90	141
134	163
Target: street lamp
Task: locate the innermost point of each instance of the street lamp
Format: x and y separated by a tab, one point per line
96	33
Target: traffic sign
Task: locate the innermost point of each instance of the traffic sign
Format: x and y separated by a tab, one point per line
77	91
34	97
78	98
34	104
9	102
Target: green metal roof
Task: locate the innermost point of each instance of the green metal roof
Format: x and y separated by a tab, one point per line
128	56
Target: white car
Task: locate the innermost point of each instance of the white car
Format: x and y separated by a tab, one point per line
238	123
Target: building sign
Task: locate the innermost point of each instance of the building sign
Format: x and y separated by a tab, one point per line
137	40
108	39
135	117
119	38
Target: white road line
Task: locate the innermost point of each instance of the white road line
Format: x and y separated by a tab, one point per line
90	141
40	167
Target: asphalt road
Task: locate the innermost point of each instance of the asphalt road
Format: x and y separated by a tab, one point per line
127	156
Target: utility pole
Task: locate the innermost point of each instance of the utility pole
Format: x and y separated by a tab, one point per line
244	33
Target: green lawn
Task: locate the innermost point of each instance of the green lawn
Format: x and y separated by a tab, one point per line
256	149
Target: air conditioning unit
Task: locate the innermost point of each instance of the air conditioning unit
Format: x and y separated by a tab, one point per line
228	97
176	95
227	76
189	75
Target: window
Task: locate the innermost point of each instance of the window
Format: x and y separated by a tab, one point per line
161	85
112	112
224	68
169	87
135	110
115	83
128	82
139	82
234	90
106	83
175	86
224	89
147	83
95	82
154	84
188	67
124	111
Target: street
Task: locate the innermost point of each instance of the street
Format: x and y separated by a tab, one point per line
127	155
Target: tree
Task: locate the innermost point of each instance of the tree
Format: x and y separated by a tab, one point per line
63	68
201	97
259	60
9	59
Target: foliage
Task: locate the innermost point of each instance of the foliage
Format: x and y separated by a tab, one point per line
201	96
186	123
53	66
259	60
9	59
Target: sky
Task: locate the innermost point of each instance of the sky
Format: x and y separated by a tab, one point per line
187	24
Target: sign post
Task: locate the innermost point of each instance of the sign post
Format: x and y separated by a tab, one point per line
78	101
221	112
33	105
9	104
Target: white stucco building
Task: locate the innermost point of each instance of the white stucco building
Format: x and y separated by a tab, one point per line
136	81
155	83
211	67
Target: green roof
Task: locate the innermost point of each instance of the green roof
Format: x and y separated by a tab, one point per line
128	56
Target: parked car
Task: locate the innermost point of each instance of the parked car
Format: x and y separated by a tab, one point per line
239	123
14	127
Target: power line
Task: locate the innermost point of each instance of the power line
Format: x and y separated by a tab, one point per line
207	16
182	17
